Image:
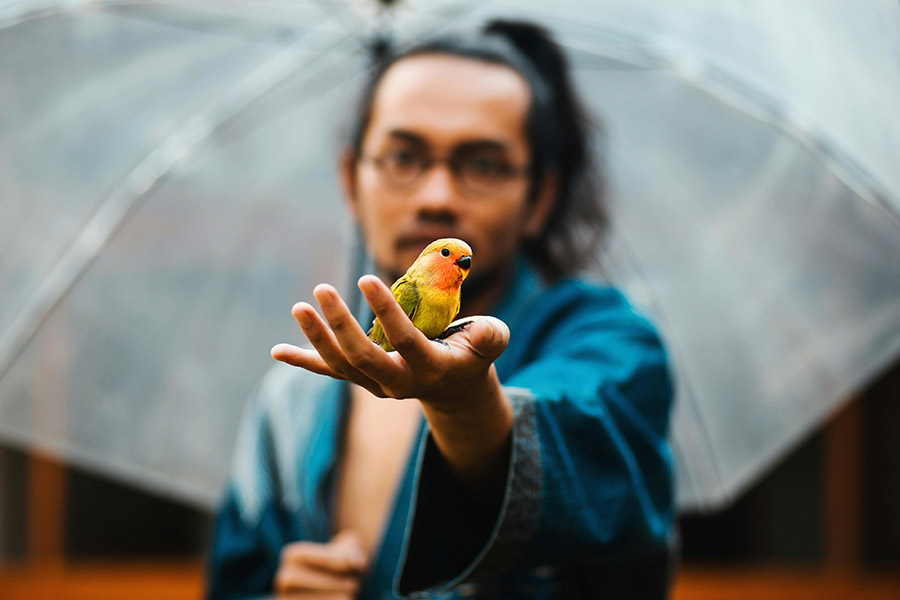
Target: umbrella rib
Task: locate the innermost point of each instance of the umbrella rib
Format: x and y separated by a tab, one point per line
278	33
126	199
731	90
14	12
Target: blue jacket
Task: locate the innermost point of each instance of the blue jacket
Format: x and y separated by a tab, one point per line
588	506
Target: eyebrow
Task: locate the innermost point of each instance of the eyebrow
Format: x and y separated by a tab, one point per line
406	135
476	144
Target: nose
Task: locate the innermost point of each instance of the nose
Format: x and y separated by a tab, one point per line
464	262
438	189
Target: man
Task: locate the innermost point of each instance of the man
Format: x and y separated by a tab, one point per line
540	468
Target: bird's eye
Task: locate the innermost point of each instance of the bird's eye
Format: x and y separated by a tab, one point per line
445	252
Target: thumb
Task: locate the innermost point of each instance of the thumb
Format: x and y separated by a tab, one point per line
349	544
489	337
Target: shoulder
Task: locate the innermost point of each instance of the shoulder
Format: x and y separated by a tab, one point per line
282	429
586	292
583	339
581	303
291	403
288	400
291	393
578	317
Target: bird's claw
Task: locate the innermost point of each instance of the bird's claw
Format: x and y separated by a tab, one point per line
453	329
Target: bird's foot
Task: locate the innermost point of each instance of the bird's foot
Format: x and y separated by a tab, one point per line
451	330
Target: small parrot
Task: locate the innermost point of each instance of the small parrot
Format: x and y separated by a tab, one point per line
429	292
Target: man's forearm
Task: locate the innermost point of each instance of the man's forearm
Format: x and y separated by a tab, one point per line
473	431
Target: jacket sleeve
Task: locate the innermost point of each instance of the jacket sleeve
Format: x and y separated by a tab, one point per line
590	473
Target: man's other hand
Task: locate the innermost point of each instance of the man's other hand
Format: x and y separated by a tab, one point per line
331	571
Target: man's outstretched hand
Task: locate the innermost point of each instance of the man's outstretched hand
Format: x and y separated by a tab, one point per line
468	412
421	368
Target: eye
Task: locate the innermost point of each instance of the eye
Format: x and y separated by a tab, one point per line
403	165
480	169
445	252
403	157
483	165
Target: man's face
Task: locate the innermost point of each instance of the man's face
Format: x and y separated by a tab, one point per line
443	106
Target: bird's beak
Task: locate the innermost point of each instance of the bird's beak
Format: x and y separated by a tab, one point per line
464	262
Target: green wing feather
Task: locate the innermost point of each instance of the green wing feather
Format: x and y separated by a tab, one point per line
406	292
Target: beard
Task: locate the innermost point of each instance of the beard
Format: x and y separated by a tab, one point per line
478	284
482	286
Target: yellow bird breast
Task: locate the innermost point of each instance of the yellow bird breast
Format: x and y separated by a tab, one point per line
435	313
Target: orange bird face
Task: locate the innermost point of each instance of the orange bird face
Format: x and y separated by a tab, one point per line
444	262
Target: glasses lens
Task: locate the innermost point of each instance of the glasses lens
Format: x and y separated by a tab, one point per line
403	166
483	171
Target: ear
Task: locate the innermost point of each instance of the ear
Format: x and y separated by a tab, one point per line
347	176
542	206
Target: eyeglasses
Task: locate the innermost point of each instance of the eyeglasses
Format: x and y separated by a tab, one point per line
480	171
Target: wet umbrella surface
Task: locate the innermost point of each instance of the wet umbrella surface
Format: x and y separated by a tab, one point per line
168	177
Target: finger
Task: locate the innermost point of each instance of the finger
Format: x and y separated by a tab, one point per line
338	559
311	361
350	543
336	312
303	358
411	343
326	344
487	336
309	595
292	578
357	348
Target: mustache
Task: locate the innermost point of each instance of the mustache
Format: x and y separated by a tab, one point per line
478	283
429	225
421	238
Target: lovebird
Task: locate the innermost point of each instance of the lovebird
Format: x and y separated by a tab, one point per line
429	292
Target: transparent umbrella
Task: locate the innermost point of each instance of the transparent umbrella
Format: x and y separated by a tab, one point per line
168	191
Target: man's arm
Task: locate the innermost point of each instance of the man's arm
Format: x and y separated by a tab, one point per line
582	473
589	484
469	415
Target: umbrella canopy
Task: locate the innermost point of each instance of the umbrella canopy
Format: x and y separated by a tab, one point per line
168	175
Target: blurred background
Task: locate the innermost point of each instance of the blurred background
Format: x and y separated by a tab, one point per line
168	191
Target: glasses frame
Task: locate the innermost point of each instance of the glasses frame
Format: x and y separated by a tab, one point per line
453	162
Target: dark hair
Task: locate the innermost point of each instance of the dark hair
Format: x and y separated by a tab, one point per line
558	133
